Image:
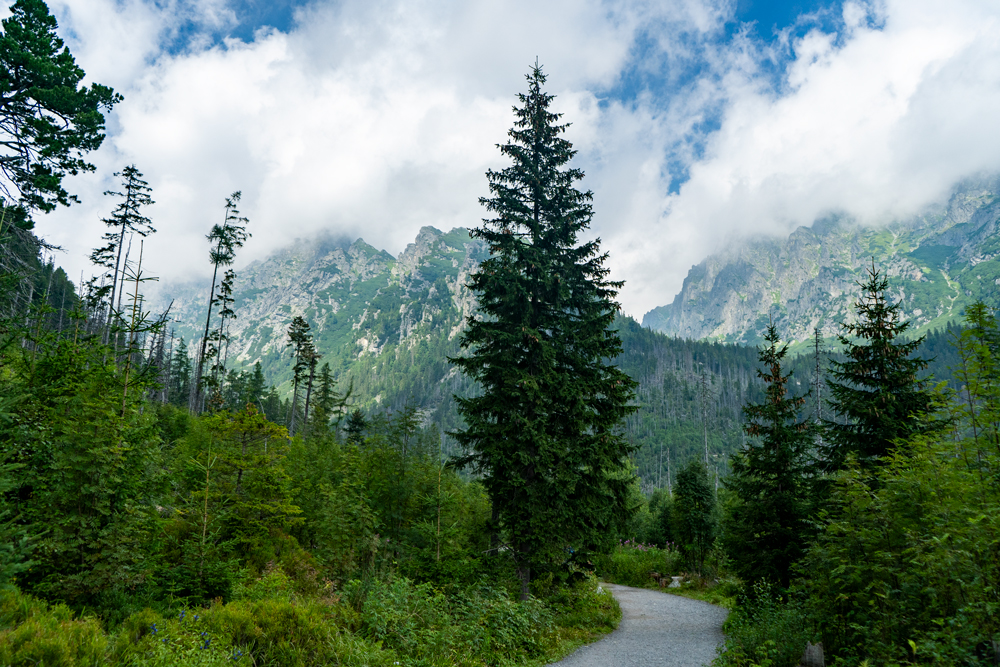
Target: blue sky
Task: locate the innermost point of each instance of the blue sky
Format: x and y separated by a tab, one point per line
698	122
767	16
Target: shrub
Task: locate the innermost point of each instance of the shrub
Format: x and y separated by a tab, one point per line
764	630
631	563
36	634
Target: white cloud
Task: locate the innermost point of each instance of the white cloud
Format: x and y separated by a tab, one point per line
369	119
878	124
374	118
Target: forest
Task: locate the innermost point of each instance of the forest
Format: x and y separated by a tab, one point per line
159	506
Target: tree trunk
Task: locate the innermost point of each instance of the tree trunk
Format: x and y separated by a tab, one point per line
524	574
196	394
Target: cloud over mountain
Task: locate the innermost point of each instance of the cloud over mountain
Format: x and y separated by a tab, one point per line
373	119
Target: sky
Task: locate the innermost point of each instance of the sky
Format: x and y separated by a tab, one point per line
697	122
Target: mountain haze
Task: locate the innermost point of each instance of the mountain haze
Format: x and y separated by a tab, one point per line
937	263
387	325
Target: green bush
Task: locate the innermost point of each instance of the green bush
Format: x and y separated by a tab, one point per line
478	626
33	633
631	563
764	631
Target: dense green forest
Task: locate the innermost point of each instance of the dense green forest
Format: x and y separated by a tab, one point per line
451	497
137	532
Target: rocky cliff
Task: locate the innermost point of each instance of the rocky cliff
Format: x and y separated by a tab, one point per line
937	263
359	301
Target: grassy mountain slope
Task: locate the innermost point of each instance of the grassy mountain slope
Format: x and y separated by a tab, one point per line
388	325
937	263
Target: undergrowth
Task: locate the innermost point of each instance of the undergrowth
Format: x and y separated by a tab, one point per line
389	621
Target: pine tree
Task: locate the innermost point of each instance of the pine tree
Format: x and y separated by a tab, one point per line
875	391
256	387
300	340
329	403
225	239
694	513
180	375
767	527
544	432
126	219
355	427
48	120
218	340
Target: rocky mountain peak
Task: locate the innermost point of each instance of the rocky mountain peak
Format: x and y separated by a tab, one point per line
936	262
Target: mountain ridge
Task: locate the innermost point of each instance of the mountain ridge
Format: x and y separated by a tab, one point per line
937	263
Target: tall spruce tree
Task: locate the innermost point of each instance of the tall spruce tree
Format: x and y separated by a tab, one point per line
766	528
218	339
180	375
256	387
225	239
126	219
875	391
304	354
694	513
544	432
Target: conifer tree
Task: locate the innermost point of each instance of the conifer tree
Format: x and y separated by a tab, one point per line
218	340
180	375
256	387
225	239
355	427
300	340
544	432
126	219
48	120
875	391
329	403
694	512
767	527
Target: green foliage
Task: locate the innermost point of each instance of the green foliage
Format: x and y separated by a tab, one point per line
764	630
631	563
425	626
85	469
32	633
224	240
127	218
907	551
235	502
50	121
270	623
179	375
695	517
544	431
766	526
14	543
875	391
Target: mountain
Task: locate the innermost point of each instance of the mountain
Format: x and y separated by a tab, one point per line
937	263
363	304
387	325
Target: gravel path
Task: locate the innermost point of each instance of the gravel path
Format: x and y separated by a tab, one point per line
656	629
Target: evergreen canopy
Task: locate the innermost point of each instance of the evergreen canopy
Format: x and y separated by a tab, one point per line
543	432
875	391
48	120
767	527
